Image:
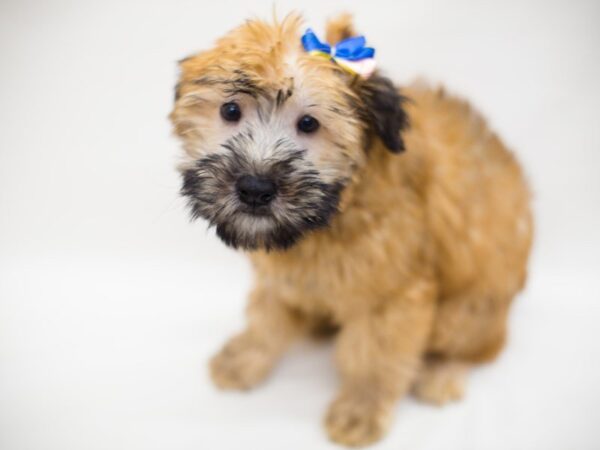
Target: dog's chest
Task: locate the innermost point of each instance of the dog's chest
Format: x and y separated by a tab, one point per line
320	286
331	281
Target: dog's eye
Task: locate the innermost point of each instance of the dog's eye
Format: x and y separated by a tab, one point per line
308	124
231	112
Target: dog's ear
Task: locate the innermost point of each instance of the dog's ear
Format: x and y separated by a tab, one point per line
181	68
382	103
339	28
384	110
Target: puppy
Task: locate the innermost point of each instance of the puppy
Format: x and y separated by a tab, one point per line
396	217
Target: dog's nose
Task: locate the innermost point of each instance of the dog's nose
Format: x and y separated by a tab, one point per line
255	191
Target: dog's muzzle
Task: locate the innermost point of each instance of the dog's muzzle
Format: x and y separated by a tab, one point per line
253	204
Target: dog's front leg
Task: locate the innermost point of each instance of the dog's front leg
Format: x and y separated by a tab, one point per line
378	355
247	358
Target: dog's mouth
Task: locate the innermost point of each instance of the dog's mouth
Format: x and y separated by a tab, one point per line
271	209
254	210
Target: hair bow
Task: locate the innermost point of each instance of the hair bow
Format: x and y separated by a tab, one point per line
351	54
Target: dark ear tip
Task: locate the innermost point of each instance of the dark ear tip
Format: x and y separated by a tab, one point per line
396	146
385	111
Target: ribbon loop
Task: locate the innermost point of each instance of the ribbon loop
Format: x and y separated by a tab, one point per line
352	54
311	43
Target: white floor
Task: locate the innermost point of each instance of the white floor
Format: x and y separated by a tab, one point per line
111	301
111	355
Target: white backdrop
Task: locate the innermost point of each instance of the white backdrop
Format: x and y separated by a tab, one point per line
111	301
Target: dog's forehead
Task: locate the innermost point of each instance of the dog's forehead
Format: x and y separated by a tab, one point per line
260	57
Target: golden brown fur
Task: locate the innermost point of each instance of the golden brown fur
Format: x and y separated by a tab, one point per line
417	269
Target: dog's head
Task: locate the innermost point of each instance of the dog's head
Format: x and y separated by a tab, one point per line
272	135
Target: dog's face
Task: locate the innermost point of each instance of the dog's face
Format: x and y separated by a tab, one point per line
272	135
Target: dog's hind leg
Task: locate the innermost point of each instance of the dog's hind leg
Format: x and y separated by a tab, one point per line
441	380
247	359
470	327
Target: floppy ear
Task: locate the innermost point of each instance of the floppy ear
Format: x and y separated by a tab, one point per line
383	105
182	69
384	110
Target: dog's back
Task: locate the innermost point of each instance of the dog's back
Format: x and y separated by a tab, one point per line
479	217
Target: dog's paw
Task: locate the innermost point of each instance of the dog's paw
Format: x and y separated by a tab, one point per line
241	364
441	382
355	419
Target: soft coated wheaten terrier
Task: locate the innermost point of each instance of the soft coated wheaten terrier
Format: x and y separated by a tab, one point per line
396	217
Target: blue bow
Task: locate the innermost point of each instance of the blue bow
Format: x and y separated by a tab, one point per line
351	49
